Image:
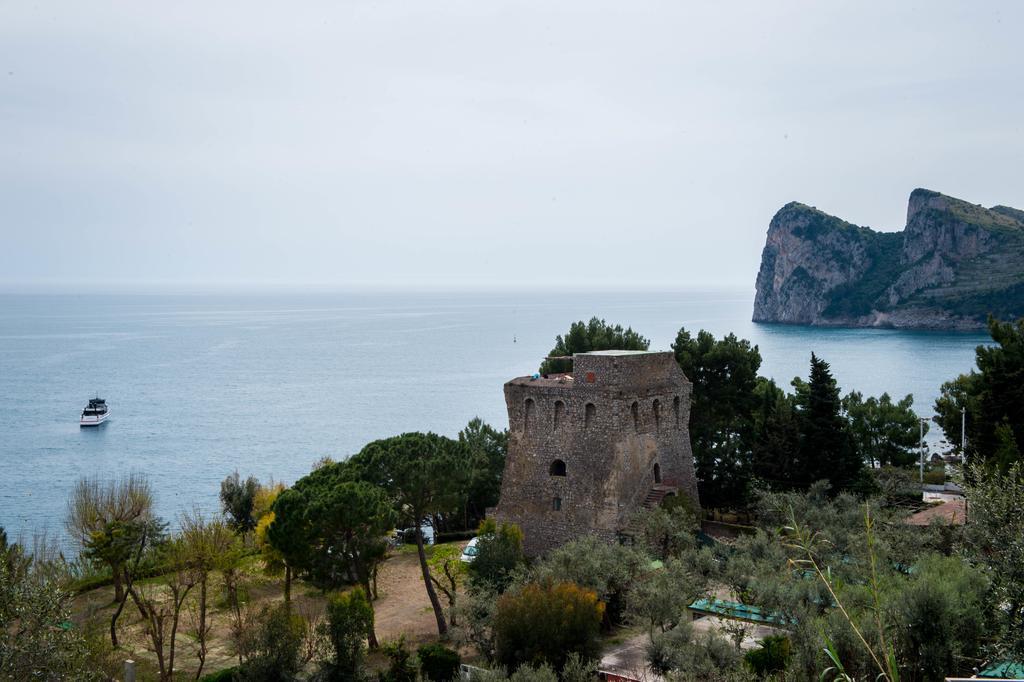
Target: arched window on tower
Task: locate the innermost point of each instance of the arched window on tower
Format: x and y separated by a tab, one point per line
589	412
675	409
657	473
557	468
527	414
559	414
635	409
657	414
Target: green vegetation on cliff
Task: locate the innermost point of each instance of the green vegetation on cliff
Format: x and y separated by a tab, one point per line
953	265
863	295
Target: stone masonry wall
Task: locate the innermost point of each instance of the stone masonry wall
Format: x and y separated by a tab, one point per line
638	406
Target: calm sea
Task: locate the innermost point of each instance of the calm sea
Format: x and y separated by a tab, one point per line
201	385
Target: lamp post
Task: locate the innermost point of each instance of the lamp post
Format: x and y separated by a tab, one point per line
963	435
920	444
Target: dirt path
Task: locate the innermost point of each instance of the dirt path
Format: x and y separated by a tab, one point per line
403	607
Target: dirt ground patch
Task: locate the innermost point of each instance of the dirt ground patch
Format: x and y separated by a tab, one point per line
402	609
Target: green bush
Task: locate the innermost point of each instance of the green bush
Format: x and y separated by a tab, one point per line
706	657
527	673
944	614
935	476
609	569
665	648
226	675
438	663
32	605
499	552
349	620
545	623
772	657
272	645
400	668
579	669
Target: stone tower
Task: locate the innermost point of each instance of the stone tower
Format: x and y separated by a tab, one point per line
588	449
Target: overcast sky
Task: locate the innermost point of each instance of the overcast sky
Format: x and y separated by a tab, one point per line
480	143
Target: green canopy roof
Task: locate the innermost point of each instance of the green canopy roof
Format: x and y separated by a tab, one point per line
1007	670
731	609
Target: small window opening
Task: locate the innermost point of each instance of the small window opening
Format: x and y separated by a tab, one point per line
556	504
559	412
557	468
657	414
657	473
589	412
635	409
675	409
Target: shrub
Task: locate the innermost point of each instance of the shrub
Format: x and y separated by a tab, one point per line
438	663
945	616
33	644
349	619
271	645
666	648
499	552
772	657
225	675
579	669
527	673
707	658
609	569
545	623
400	668
475	614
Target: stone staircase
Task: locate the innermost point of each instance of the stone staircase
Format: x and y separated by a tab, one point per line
656	495
654	498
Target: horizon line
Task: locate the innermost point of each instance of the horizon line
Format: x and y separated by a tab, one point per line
200	288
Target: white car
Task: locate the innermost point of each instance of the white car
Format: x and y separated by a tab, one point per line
470	551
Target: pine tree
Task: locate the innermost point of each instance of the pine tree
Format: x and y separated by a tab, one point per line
776	438
993	398
724	377
826	448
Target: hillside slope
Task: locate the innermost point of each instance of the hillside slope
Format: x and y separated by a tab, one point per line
952	265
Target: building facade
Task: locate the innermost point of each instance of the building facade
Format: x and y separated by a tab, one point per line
588	449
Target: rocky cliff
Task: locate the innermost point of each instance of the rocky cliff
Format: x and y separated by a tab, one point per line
952	265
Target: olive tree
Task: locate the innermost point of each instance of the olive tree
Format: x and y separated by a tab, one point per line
994	541
162	615
34	642
237	500
207	546
107	519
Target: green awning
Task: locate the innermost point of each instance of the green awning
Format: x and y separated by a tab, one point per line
1007	670
737	611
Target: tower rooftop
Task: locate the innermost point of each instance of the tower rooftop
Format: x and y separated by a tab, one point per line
622	352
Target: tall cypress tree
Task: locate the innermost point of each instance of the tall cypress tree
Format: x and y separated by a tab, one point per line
826	447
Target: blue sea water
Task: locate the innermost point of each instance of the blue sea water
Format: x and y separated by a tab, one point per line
201	385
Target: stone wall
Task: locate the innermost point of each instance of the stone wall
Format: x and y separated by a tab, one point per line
583	447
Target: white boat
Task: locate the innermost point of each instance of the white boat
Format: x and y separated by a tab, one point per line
95	413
